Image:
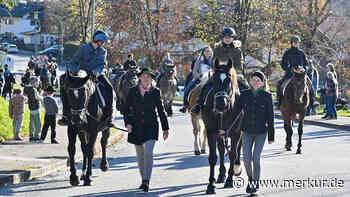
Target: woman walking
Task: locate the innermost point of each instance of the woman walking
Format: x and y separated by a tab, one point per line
141	121
258	122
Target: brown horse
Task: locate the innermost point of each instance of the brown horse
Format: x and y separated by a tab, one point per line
200	141
295	101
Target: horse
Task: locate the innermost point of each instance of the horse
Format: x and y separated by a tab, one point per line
168	87
200	139
217	113
85	106
122	84
295	101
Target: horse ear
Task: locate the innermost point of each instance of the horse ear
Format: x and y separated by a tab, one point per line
216	62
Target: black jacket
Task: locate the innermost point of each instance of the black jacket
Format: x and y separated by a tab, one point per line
140	112
258	112
129	64
293	57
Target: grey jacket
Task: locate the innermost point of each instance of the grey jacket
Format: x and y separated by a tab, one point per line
50	105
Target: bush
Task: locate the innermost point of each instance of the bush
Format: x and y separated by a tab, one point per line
6	129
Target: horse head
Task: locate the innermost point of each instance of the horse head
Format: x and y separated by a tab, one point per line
131	78
298	83
170	72
223	87
78	93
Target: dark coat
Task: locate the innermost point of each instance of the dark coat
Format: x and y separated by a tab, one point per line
258	112
293	57
140	112
224	52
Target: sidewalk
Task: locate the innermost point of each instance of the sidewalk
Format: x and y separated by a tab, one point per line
21	161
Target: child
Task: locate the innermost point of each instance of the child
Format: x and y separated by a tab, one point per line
16	112
34	107
51	110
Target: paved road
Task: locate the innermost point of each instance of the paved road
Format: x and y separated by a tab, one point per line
177	172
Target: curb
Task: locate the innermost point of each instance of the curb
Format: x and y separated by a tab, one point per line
18	176
321	124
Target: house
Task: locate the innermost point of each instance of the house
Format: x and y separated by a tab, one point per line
24	25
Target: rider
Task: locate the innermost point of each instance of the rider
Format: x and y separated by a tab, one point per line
293	57
201	66
224	50
130	63
163	68
91	57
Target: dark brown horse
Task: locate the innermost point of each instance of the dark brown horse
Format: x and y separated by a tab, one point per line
217	114
295	101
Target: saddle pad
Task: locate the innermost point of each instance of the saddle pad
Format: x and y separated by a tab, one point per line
285	85
193	89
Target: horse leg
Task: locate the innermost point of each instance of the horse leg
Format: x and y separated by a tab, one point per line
171	107
104	140
83	145
204	141
235	162
90	152
221	148
300	132
289	130
196	132
72	136
212	162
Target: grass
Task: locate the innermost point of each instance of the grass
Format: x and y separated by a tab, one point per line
345	113
6	128
178	99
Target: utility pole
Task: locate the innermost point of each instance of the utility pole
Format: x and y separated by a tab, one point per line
92	17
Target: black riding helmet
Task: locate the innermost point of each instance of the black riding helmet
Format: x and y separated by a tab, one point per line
228	31
100	35
295	39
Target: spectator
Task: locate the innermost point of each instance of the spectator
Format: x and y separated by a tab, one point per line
9	81
51	110
34	106
130	63
1	80
16	112
331	95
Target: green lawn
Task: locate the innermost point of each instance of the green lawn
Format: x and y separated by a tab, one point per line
339	112
6	129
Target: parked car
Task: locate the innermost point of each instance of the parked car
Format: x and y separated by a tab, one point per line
3	46
11	48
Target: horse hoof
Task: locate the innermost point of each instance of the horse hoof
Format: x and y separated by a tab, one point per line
288	148
87	181
228	183
74	180
104	166
237	170
210	189
203	151
197	152
298	152
221	178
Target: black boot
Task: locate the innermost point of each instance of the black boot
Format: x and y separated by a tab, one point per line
146	186
250	187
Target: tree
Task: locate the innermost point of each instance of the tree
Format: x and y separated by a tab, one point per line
150	28
8	3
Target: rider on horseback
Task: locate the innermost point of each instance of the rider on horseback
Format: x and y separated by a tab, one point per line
201	66
293	57
167	62
91	57
223	51
130	64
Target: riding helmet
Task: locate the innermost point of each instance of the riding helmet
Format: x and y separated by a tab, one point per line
100	35
228	31
295	39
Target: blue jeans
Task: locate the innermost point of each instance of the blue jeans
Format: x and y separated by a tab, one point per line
188	88
330	106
